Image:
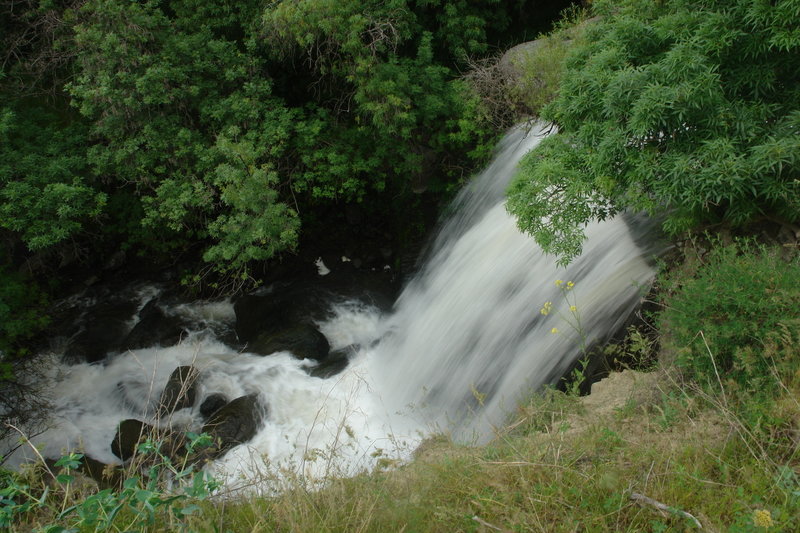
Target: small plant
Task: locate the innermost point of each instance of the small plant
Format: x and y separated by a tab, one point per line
572	319
635	352
165	494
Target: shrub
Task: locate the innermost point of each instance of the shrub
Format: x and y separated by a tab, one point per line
685	108
739	300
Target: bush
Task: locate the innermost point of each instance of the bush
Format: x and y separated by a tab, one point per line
738	302
685	108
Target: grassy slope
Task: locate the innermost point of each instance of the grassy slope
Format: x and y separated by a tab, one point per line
568	464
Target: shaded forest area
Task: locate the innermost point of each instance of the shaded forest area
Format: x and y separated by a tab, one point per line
221	137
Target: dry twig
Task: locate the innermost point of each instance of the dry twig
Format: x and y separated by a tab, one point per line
642	499
486	524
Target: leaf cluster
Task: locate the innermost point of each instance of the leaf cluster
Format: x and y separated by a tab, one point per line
166	495
684	107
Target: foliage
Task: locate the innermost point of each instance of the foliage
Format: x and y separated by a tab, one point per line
22	316
44	194
229	123
21	311
720	320
166	496
33	61
682	107
221	127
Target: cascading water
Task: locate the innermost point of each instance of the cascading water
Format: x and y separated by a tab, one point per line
465	340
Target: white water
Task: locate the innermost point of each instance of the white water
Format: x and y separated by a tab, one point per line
468	326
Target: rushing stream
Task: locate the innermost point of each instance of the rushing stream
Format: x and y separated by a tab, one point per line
465	339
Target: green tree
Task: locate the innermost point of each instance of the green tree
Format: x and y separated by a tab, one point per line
374	85
221	126
44	194
690	108
159	82
228	123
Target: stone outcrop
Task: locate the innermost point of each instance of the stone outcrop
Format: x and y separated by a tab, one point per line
235	423
155	328
180	390
130	433
212	404
335	363
303	341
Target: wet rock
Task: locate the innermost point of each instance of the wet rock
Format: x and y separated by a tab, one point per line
303	341
129	434
254	313
309	301
335	363
105	475
284	306
235	423
180	390
104	325
212	404
155	328
132	432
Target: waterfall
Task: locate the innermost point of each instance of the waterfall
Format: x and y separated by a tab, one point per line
464	342
467	338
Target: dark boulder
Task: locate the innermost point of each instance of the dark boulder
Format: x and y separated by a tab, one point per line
105	475
155	328
255	313
104	325
132	432
335	363
235	423
180	391
129	434
303	341
212	404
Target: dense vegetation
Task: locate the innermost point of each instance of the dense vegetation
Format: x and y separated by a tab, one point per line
686	108
224	129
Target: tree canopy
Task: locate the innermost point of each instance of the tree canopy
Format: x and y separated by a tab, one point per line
165	124
225	128
685	108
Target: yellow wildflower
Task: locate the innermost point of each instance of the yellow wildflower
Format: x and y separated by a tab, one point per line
546	309
570	285
762	518
559	283
554	330
573	308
